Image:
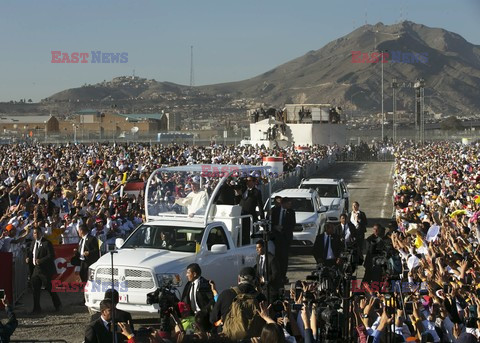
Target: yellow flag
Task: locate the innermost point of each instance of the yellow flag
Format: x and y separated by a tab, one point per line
124	180
418	241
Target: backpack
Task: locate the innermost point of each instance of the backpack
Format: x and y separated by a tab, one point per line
243	320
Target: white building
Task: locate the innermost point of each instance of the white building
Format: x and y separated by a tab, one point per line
299	124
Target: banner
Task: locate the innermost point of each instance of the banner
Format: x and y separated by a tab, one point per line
6	272
65	271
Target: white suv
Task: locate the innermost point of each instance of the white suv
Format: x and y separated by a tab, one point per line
309	214
333	194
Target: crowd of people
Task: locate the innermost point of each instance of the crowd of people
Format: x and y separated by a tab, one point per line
431	244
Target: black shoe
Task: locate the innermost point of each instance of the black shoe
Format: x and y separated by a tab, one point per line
36	311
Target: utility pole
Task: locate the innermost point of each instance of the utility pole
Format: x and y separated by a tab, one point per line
420	110
394	109
383	115
192	77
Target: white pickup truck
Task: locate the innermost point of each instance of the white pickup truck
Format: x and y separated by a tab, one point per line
181	228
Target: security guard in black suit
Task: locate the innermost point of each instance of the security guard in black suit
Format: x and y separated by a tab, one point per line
101	330
87	252
42	258
251	198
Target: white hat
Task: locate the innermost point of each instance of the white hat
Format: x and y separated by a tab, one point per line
196	179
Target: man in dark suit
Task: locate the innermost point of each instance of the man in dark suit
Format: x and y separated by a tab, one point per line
274	277
251	198
283	223
197	292
42	258
101	330
327	247
359	219
120	316
346	231
375	247
87	252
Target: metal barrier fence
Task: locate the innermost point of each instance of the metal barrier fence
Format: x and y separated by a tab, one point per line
20	274
361	156
293	178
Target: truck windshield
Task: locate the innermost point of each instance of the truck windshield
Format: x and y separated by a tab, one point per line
302	205
173	238
324	191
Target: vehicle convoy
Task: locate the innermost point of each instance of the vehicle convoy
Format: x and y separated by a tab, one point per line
184	225
333	194
309	214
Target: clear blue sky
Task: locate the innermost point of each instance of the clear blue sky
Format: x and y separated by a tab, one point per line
232	39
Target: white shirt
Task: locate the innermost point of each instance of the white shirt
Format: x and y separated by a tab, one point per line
346	233
353	218
37	244
105	323
82	248
261	262
193	289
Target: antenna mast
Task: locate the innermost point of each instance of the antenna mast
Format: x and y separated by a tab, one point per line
192	78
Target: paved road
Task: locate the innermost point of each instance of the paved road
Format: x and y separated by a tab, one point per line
370	184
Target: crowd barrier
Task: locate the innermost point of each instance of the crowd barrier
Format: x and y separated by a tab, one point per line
293	178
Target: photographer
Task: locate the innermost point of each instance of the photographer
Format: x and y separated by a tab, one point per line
244	295
6	330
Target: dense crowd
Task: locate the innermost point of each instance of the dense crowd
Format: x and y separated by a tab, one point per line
59	188
431	246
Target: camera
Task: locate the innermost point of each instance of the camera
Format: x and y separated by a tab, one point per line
277	306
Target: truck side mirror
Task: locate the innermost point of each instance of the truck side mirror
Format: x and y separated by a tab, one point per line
119	242
219	249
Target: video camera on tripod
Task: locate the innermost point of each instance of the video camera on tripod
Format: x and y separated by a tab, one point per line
349	258
165	297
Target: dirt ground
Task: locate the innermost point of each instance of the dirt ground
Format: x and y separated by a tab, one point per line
68	324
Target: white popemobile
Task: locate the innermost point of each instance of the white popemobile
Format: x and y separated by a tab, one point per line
184	224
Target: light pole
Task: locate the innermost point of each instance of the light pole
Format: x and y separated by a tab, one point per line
383	115
45	122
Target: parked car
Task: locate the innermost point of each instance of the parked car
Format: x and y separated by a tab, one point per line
333	194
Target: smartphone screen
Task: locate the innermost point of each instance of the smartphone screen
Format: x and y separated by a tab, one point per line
2	293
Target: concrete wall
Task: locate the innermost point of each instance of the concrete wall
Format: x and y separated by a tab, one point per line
329	134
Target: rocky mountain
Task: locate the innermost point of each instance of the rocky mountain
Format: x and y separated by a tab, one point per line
451	72
327	75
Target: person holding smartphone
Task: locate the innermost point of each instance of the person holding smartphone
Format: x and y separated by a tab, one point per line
6	330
